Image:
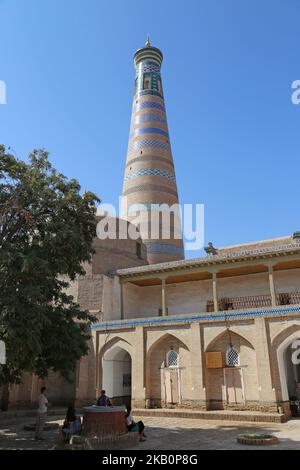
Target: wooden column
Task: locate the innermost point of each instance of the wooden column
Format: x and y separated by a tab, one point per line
163	297
272	286
121	301
215	292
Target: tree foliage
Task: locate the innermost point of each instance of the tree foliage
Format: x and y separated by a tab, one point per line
46	233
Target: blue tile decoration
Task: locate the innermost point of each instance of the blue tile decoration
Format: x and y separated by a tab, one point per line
222	316
148	117
149	92
150	72
148	104
160	191
150	172
146	67
143	143
149	130
148	54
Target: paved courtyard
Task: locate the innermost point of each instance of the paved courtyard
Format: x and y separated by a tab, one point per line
162	434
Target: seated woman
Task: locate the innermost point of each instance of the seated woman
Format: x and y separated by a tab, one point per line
72	424
132	426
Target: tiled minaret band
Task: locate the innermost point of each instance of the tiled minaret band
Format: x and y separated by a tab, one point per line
150	175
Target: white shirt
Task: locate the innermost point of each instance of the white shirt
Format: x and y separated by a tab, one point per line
43	402
129	420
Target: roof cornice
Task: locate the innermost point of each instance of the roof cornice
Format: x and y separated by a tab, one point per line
211	260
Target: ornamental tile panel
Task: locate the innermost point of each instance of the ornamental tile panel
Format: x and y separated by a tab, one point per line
143	143
148	104
149	130
150	172
219	316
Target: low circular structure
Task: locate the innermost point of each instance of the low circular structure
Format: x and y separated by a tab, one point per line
104	422
257	439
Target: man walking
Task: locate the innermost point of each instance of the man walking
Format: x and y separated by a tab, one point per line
41	415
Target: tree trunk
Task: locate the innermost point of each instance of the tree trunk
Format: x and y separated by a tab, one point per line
5	397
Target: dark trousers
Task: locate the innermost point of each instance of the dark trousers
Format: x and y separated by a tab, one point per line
140	426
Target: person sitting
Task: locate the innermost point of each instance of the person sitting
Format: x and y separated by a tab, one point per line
71	425
132	426
103	400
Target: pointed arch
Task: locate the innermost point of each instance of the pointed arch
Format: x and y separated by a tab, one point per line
280	344
165	384
116	341
167	337
115	370
286	333
237	382
233	336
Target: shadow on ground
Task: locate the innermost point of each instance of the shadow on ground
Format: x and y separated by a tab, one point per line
162	434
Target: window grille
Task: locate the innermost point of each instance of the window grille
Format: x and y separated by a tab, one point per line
232	357
172	359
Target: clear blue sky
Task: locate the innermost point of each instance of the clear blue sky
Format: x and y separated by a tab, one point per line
227	74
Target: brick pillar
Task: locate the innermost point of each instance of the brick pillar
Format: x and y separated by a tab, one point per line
266	392
198	391
138	370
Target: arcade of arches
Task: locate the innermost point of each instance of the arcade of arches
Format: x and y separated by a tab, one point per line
247	365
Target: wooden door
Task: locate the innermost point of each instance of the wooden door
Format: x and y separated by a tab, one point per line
234	385
172	385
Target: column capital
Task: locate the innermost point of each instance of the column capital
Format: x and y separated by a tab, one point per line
270	265
163	277
214	272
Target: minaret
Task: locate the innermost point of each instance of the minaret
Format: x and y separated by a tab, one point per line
150	175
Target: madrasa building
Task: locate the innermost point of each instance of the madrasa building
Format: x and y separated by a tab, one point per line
200	335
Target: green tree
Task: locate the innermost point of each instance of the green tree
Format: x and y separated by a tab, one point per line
46	233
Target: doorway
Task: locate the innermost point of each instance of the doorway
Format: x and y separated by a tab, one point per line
116	380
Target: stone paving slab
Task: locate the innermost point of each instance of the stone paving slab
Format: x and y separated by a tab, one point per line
163	434
192	434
